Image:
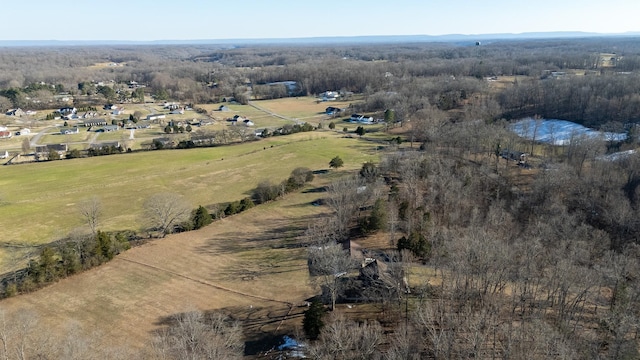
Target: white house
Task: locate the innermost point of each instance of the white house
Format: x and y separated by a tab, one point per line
152	117
330	95
361	119
118	111
69	130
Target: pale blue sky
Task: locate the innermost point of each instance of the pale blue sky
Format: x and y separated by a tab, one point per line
234	19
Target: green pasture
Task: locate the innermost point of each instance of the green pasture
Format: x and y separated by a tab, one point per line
58	138
39	201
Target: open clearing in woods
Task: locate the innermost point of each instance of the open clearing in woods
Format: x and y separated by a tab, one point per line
250	265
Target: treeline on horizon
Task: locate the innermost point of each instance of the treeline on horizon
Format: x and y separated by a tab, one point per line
404	77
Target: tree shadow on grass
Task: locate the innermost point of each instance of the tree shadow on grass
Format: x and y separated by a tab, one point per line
276	234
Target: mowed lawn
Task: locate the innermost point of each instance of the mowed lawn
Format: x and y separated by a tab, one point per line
39	202
249	265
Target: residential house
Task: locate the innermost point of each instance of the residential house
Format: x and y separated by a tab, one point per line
357	118
93	122
105	145
153	117
248	122
171	106
67	110
118	111
223	108
332	110
110	107
110	128
59	148
178	111
16	112
330	96
69	130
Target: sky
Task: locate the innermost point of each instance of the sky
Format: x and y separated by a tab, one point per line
144	20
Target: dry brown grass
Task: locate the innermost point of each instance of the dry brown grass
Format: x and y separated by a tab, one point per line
303	108
248	265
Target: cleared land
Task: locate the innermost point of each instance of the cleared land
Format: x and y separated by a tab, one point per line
249	265
39	201
304	108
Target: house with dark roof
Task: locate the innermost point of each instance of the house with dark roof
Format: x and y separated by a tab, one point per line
59	148
16	112
332	110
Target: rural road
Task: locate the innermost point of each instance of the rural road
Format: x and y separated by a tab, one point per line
41	133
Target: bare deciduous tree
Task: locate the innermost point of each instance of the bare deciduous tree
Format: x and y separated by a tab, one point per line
163	211
194	335
345	339
91	209
330	262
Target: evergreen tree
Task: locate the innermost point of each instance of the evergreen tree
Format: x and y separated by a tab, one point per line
312	322
200	217
336	162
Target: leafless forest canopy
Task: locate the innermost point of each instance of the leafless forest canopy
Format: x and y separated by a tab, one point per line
529	260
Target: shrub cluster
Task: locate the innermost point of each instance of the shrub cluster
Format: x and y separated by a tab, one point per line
266	191
239	206
66	258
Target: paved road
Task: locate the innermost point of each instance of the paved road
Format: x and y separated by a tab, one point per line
36	138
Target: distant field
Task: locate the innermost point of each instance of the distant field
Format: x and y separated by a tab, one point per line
303	108
39	201
260	118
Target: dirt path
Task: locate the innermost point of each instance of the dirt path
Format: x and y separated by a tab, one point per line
252	104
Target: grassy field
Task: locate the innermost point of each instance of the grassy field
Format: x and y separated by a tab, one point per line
39	201
249	265
304	108
243	265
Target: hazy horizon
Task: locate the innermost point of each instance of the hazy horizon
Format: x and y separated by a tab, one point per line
164	20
